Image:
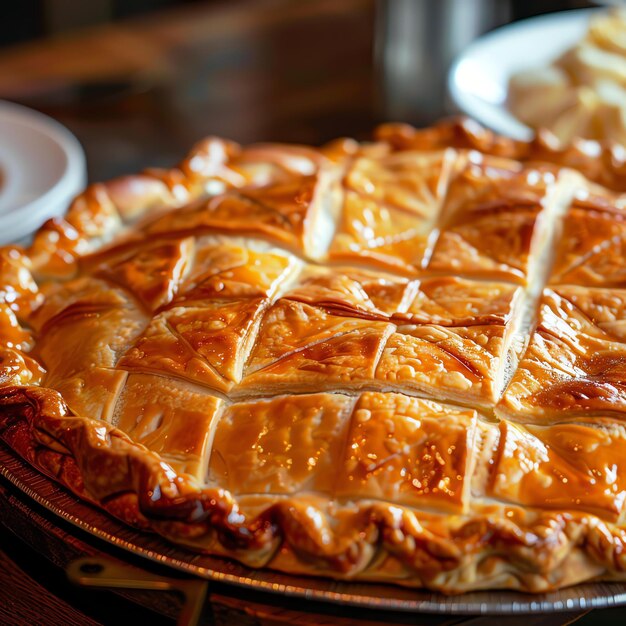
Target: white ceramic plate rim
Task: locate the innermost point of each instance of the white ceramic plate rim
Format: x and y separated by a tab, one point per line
24	218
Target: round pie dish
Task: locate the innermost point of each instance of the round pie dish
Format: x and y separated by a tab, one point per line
42	167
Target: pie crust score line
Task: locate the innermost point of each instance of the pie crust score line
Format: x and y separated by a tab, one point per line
422	443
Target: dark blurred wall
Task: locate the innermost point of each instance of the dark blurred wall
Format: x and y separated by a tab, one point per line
29	19
21	21
135	7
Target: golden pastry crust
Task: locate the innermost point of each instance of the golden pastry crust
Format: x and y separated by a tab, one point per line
593	244
390	207
341	361
491	217
571	365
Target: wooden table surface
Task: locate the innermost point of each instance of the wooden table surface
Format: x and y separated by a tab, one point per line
140	93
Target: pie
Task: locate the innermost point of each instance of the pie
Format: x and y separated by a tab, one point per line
398	361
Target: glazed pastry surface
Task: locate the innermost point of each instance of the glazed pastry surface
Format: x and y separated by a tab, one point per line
401	361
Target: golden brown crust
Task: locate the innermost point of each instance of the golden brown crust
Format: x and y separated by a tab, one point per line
600	162
592	246
328	361
498	545
572	365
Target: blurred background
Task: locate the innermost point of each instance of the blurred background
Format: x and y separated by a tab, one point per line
139	81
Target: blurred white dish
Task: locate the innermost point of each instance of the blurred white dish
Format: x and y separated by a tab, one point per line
42	166
478	79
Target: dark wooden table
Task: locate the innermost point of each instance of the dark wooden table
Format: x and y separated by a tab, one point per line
140	93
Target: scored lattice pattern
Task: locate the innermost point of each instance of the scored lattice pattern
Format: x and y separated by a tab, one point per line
429	327
343	285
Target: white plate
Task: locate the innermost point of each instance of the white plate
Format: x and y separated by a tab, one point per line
42	167
478	79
